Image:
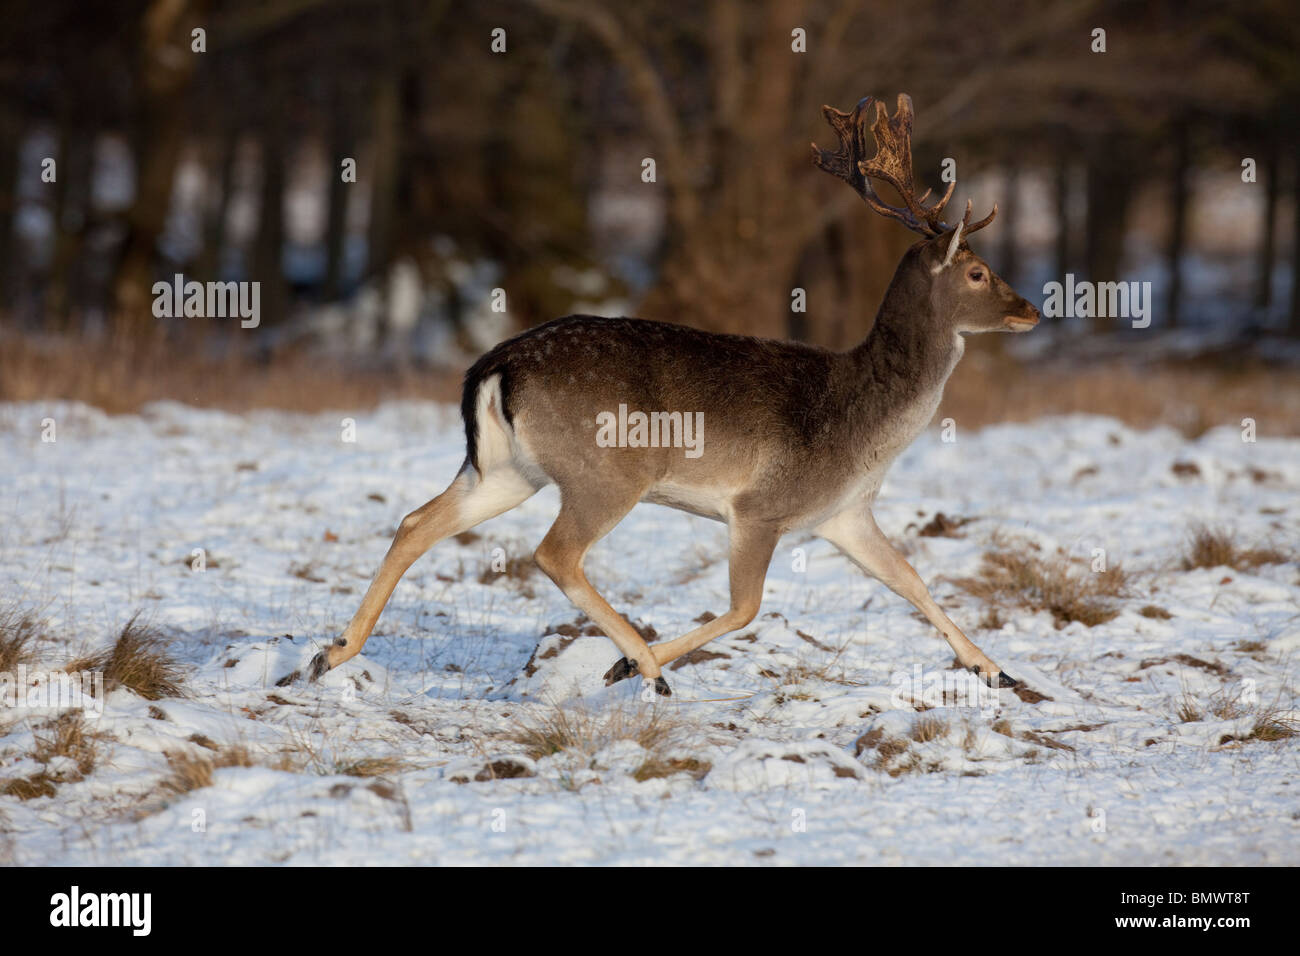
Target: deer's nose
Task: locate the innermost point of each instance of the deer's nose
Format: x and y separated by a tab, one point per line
1023	319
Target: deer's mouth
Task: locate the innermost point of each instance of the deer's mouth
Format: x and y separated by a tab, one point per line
1020	323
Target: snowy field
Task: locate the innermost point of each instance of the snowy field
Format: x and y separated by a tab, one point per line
1158	736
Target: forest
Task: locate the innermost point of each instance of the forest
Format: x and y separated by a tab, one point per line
409	180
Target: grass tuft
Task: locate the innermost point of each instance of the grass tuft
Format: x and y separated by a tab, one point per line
585	732
371	767
139	660
927	728
67	737
17	633
193	771
1015	575
657	767
1212	547
582	733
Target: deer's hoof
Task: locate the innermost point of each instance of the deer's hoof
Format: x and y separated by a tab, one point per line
320	664
1001	680
662	688
622	670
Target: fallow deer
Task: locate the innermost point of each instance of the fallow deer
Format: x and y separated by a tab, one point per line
798	438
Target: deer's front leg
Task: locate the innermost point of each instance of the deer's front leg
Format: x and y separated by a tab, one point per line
856	534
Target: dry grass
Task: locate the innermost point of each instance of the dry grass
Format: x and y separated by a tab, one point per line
657	767
520	568
306	571
793	681
193	771
18	632
1014	574
139	660
1271	722
119	377
503	768
1155	612
1211	547
893	754
1272	725
583	732
29	788
1187	710
888	749
1190	395
371	767
66	737
927	728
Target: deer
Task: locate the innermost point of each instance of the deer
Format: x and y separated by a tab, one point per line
798	438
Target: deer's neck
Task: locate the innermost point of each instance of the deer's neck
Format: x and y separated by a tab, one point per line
899	371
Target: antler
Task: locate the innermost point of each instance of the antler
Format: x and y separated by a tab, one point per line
891	164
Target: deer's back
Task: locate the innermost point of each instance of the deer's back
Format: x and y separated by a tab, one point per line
772	412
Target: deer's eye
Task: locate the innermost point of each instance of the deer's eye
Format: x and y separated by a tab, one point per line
976	275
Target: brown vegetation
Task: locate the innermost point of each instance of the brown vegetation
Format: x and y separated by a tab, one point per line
1210	547
576	730
139	660
193	771
66	736
17	632
1014	574
1192	396
120	379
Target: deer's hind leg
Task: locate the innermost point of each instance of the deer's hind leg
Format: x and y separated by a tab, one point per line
751	552
585	517
469	500
857	535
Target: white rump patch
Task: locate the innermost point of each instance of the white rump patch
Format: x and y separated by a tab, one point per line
493	432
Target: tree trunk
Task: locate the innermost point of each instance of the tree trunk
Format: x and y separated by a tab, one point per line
336	225
1294	327
736	228
165	72
1008	213
1264	265
1179	200
268	252
71	212
1061	193
1110	188
214	226
10	141
384	172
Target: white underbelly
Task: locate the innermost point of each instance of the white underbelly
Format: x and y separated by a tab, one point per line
705	502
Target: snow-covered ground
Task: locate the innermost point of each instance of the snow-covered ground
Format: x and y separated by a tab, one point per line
797	741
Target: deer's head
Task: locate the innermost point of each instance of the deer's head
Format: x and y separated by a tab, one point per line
962	293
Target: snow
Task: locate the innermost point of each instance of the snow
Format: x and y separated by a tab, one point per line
786	742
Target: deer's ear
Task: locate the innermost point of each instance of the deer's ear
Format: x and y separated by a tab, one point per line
946	245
